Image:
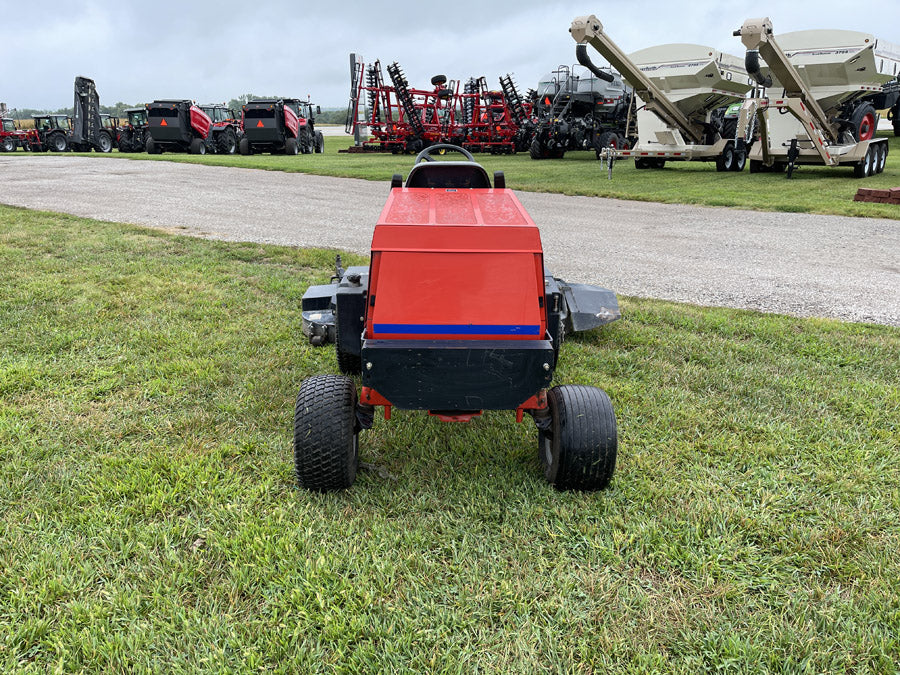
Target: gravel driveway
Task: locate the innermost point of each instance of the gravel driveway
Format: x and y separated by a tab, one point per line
799	264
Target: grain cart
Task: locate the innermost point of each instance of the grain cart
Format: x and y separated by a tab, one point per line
685	90
177	125
133	135
455	314
87	130
822	113
580	111
225	132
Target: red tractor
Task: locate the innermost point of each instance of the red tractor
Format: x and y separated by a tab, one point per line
225	133
455	314
11	137
178	126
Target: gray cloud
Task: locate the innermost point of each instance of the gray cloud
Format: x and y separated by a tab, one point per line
214	52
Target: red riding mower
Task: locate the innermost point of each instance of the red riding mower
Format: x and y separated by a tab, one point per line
454	315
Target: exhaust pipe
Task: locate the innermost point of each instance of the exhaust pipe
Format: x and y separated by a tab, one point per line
751	63
581	54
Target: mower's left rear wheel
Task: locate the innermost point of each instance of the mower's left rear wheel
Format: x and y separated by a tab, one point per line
326	440
578	451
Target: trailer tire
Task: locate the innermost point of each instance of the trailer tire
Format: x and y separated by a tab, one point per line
862	122
740	160
726	161
578	450
198	147
244	147
881	158
291	147
320	142
8	145
153	148
326	438
863	168
226	144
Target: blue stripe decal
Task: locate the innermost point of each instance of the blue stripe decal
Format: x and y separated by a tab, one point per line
458	329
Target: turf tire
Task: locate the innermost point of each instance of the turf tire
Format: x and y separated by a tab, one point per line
578	452
326	442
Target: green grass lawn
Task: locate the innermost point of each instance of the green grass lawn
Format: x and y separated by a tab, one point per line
812	190
149	520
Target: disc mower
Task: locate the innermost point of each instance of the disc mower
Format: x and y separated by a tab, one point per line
454	315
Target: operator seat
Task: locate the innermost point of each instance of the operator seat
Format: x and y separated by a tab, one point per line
448	175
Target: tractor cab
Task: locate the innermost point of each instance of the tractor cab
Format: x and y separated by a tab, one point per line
9	124
52	122
137	117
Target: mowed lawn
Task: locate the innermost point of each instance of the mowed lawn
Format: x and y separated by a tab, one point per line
813	189
149	519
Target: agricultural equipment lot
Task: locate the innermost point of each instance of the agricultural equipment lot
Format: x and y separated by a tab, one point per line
791	263
149	520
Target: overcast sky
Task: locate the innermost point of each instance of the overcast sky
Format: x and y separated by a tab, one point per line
216	51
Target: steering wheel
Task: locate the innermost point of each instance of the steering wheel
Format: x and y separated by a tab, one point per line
425	155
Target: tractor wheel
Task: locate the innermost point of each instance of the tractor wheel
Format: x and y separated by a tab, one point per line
104	142
326	441
226	143
291	147
9	144
862	122
578	451
535	150
606	139
320	142
244	147
198	147
57	143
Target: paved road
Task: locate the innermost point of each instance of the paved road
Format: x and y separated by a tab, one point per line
800	264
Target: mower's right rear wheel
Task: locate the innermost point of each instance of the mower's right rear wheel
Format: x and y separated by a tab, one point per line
326	440
348	364
578	451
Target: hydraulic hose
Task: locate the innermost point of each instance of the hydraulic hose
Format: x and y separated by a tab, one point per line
582	55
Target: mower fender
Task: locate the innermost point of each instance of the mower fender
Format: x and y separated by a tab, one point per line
588	306
346	297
